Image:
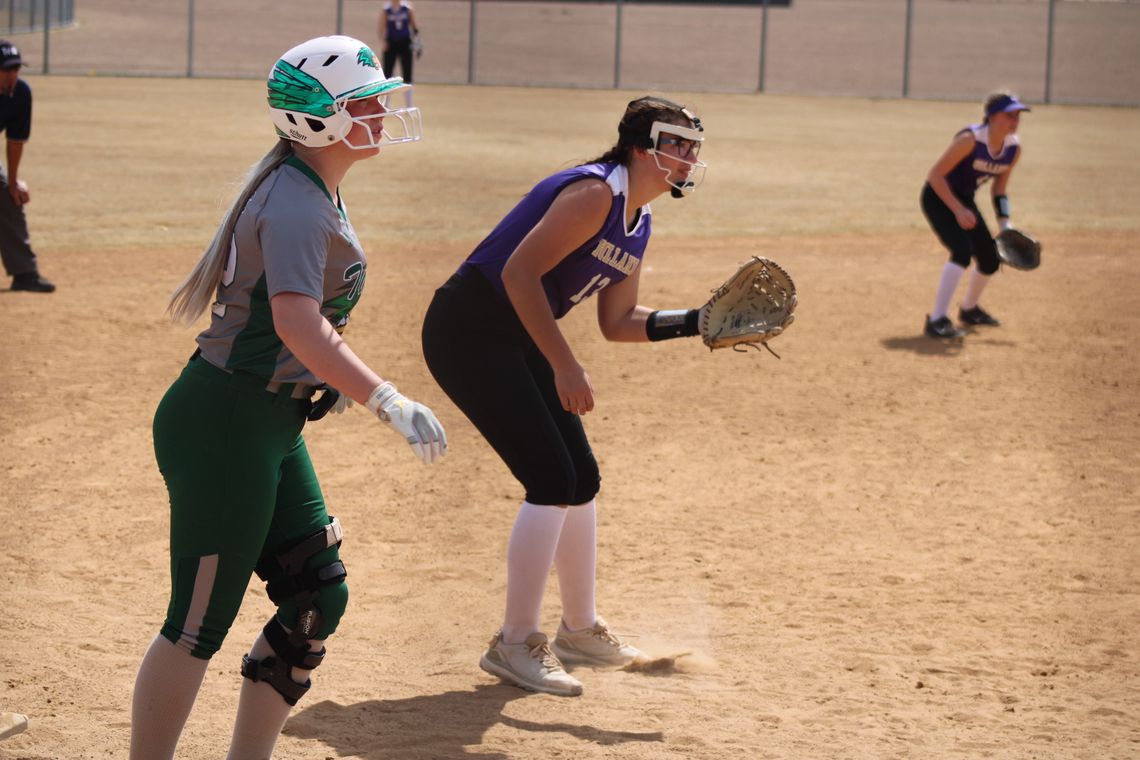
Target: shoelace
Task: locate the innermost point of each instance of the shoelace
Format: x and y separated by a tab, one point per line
543	654
607	636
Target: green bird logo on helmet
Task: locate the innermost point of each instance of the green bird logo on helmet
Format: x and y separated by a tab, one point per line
367	58
310	86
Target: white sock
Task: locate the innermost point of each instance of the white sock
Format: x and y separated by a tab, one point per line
576	559
165	689
261	710
530	553
947	284
974	288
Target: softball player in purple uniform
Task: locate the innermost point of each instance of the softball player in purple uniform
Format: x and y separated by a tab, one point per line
492	341
284	271
978	153
398	32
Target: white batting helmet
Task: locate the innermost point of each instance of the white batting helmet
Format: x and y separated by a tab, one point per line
310	86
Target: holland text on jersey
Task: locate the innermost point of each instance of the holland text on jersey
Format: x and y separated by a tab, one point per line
989	167
608	253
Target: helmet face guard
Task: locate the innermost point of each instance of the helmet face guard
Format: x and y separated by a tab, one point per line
309	89
399	125
689	140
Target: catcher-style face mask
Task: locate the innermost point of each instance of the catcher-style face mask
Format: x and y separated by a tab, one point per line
381	125
679	144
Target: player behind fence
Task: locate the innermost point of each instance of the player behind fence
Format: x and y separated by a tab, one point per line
400	40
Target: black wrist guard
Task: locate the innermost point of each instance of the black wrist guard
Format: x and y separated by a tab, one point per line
1001	205
672	323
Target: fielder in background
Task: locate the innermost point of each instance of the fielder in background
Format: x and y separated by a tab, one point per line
283	273
400	38
16	121
492	341
978	153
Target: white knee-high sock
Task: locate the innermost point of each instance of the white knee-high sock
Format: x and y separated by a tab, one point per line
261	710
530	553
576	560
974	288
165	689
947	284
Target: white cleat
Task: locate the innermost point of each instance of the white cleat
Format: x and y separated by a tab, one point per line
593	646
530	665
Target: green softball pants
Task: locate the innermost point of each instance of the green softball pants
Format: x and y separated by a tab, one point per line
241	487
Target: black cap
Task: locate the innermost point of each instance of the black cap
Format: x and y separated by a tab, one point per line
9	55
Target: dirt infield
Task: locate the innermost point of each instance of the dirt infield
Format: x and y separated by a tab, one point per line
876	547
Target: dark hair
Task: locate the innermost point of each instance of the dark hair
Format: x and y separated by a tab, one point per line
993	98
635	124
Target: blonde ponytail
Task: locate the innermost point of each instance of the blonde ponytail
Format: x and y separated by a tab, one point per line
196	292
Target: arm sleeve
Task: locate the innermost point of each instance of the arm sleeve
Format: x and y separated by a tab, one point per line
20	127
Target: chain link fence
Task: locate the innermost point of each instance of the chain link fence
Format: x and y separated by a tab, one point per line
23	16
1063	51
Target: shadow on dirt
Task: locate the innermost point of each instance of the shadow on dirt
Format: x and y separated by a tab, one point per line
433	726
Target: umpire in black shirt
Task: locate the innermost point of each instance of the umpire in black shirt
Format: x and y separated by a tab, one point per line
16	120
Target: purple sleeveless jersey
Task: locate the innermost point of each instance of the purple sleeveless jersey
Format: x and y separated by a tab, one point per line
610	256
981	165
399	22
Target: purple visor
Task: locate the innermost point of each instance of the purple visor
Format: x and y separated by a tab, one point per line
1006	104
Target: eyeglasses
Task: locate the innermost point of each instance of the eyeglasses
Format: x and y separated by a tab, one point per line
685	148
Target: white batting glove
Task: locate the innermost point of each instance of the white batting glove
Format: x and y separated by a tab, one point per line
411	419
1005	223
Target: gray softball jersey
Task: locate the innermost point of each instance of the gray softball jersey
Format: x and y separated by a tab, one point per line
291	237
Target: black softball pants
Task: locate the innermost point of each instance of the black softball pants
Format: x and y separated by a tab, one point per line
484	359
963	245
400	50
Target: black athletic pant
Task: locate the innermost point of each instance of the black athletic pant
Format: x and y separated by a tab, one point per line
15	243
401	49
963	245
484	359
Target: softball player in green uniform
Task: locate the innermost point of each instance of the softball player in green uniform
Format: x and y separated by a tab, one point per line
283	273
